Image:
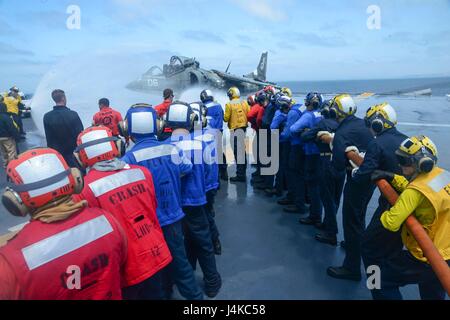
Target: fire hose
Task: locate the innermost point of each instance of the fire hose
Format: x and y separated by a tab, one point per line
438	264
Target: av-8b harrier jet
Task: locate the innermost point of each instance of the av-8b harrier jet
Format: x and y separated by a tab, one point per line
182	73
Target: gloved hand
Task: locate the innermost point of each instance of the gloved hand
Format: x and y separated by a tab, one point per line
380	174
321	133
352	148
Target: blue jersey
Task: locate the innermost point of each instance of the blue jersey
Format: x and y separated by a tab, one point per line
193	185
158	158
214	115
279	122
294	114
210	137
308	120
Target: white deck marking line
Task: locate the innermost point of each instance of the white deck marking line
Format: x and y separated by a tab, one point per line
416	124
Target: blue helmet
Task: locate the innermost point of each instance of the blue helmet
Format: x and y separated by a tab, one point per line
283	103
314	100
180	116
142	121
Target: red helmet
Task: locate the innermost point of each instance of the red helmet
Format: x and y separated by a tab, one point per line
38	177
96	144
270	90
251	100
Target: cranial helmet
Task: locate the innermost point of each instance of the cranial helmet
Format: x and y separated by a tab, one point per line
97	144
418	151
142	121
381	117
180	116
206	96
38	177
234	93
343	105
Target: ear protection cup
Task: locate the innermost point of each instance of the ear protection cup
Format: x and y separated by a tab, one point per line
123	128
76	155
204	119
193	119
79	181
377	125
12	202
121	147
160	124
426	164
332	114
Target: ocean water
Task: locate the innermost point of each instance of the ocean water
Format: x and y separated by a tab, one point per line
438	86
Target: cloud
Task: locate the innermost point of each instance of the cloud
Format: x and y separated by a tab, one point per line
334	25
265	9
203	36
435	38
286	45
5	28
244	38
50	19
315	39
8	49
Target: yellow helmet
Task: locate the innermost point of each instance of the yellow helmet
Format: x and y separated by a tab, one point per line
287	92
381	117
234	93
419	151
14	89
344	105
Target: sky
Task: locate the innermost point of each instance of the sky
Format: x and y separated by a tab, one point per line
306	40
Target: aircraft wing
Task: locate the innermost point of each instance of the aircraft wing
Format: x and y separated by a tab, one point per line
239	80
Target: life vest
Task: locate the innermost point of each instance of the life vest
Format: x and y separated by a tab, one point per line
12	104
238	111
435	186
44	257
129	195
109	118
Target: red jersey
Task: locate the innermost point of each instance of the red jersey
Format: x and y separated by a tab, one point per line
43	261
109	118
129	194
255	116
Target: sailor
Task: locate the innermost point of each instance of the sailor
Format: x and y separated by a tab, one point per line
236	111
269	114
214	116
14	105
143	125
294	202
426	195
9	134
351	134
181	118
62	127
126	191
309	119
284	104
161	110
107	117
209	137
377	242
330	186
68	251
255	117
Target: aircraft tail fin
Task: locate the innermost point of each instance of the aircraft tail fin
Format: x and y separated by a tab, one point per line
262	67
261	71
